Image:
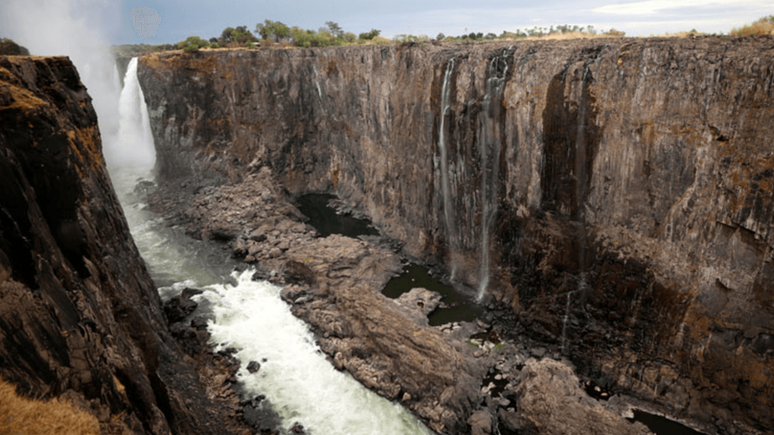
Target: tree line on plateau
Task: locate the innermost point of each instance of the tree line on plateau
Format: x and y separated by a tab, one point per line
275	33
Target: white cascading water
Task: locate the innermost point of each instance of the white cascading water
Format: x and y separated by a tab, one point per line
134	143
448	221
490	163
247	315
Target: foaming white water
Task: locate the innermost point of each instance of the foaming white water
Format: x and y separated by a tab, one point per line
295	376
170	255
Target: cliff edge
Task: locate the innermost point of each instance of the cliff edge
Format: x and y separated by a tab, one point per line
80	317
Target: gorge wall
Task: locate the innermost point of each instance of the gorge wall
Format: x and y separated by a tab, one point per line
80	317
617	194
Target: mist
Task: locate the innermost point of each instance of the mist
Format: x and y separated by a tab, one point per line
79	29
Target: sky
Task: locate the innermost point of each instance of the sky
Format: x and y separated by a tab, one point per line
178	19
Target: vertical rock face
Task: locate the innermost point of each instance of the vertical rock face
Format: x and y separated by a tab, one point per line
617	193
79	314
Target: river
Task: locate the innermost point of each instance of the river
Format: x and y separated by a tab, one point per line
247	315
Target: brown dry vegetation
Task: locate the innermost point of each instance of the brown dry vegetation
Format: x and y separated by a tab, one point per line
570	35
23	416
764	26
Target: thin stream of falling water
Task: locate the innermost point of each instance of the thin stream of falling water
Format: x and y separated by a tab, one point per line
582	287
580	172
490	163
449	228
564	323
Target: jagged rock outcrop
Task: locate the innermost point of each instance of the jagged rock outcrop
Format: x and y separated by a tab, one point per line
616	193
568	410
79	314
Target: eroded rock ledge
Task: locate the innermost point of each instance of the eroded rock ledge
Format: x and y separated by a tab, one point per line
633	197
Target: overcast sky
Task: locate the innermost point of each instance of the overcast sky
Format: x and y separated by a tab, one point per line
206	18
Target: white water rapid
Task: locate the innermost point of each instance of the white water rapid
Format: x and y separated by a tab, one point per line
295	375
247	315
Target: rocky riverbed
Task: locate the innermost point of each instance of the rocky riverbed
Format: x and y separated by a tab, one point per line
464	377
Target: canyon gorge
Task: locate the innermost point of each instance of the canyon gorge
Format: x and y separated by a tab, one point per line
607	201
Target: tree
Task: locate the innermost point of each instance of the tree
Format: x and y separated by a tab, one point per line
192	44
239	35
440	37
302	38
368	36
272	29
335	29
227	35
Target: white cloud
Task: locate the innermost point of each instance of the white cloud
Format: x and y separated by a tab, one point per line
652	7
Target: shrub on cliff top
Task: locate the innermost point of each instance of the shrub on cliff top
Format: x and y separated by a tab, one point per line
367	36
239	35
19	415
192	44
10	48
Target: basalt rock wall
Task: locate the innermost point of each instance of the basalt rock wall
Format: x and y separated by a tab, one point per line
79	314
616	193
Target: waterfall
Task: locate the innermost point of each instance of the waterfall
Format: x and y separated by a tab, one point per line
133	145
448	221
582	287
564	323
489	146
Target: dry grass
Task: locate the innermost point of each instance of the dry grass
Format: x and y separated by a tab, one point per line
764	26
22	416
567	36
676	35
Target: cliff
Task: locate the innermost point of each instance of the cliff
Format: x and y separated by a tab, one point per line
616	194
80	317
